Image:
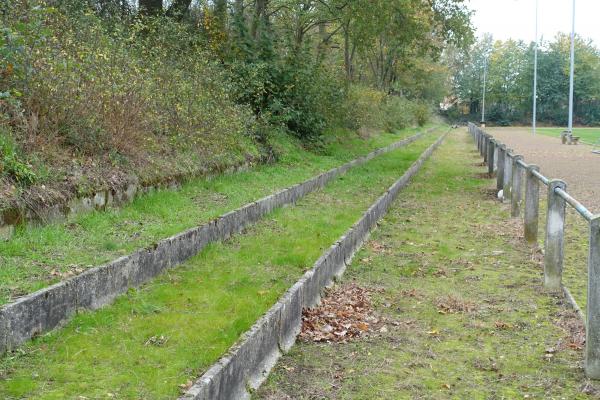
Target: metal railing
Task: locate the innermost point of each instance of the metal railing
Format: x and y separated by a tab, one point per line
510	169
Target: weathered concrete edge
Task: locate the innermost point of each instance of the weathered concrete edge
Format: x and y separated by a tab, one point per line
248	363
573	303
50	307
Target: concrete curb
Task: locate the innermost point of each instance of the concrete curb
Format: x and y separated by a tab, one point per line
50	307
248	363
573	303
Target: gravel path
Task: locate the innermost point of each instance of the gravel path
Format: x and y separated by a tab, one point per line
576	165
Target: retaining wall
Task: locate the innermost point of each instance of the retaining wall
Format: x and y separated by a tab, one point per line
46	309
247	364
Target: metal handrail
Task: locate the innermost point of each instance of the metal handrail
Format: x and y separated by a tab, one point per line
541	177
580	208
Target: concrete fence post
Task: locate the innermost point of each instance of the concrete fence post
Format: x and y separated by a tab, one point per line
532	204
555	236
481	151
484	149
490	156
592	332
496	145
500	171
486	141
516	187
507	175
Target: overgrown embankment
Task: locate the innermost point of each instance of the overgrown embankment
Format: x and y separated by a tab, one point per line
98	95
456	306
162	336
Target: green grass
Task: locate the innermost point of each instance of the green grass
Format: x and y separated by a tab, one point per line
446	237
587	135
38	257
171	330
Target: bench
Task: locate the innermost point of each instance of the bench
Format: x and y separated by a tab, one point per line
567	138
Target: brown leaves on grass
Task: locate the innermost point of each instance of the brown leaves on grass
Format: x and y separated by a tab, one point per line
413	293
503	326
570	322
453	305
73	270
377	247
345	313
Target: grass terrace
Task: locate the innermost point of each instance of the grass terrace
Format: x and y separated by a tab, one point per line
39	256
168	332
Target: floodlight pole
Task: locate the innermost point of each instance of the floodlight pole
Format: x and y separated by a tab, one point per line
572	74
535	69
485	66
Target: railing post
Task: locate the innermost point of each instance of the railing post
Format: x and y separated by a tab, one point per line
486	141
490	156
555	235
592	331
482	145
496	150
507	175
532	204
500	172
516	188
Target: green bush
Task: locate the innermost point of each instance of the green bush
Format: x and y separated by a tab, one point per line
10	163
98	86
422	112
363	107
398	113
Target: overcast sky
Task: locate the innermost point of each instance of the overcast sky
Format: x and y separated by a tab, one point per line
516	18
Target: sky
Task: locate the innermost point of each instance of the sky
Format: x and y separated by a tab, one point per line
515	19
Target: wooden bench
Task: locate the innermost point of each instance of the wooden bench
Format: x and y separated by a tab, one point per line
567	138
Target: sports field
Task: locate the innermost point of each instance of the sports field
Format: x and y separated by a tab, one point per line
587	135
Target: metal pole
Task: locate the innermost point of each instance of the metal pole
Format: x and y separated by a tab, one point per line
485	61
572	73
535	68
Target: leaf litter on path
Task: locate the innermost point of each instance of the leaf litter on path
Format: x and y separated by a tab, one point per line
346	312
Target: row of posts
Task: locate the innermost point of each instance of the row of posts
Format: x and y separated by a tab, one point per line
511	175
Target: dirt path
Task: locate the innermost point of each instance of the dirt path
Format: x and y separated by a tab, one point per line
576	165
453	308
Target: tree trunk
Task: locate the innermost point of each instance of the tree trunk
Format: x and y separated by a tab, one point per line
179	8
150	7
348	54
260	19
221	14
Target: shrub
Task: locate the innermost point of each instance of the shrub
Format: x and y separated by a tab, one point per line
10	163
363	107
422	112
100	87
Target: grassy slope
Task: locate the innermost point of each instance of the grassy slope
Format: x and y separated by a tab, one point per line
37	257
201	308
446	238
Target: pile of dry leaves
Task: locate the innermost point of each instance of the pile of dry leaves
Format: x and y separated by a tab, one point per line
345	313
